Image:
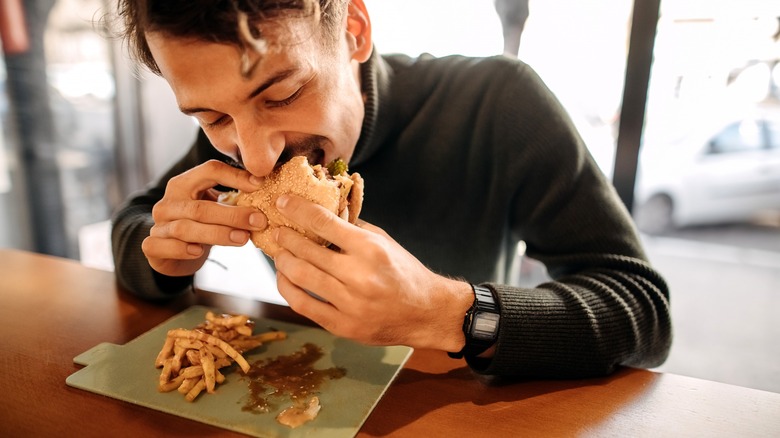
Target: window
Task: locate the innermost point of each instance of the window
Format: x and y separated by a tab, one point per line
714	62
57	166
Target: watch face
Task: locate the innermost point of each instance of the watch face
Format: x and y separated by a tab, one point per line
485	325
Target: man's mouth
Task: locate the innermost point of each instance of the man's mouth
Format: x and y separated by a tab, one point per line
311	147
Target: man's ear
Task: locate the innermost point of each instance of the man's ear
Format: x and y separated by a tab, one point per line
359	30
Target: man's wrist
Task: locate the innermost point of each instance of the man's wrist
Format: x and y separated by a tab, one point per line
450	334
480	325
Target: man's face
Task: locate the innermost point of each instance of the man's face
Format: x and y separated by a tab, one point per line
300	99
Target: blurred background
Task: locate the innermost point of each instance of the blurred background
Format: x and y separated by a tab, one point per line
82	128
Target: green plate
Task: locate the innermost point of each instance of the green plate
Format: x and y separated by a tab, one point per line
127	372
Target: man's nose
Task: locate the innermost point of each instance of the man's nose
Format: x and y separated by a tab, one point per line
260	149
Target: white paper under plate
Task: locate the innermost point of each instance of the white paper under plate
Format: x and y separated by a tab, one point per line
240	271
127	372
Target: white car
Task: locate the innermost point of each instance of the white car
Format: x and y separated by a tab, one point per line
723	173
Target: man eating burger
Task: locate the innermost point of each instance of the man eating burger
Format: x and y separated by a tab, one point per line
462	158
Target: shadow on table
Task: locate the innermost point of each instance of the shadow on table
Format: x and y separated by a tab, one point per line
550	408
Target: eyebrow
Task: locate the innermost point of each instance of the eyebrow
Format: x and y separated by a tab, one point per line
278	77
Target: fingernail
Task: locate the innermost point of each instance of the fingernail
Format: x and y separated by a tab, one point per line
257	220
238	236
256	180
281	201
275	234
194	249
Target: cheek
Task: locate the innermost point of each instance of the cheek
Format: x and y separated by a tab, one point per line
342	120
352	118
344	109
333	111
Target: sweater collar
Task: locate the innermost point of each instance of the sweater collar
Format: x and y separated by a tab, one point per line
375	77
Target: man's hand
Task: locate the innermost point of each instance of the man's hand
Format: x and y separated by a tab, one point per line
188	220
376	291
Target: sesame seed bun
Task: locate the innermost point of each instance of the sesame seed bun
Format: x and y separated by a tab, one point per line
341	194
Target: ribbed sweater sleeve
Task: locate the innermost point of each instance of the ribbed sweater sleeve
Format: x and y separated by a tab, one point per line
584	324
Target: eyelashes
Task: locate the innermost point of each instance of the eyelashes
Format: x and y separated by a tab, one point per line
219	122
284	102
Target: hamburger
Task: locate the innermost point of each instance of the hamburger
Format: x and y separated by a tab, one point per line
330	186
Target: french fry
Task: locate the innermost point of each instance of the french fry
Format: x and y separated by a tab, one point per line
165	352
171	385
193	356
188	384
216	351
188	344
165	374
242	345
197	389
209	371
176	360
271	336
193	371
228	321
244	330
222	362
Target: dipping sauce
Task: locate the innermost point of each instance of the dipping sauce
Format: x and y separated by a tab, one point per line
293	375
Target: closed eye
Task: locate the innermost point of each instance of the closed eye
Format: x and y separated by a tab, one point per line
286	101
224	120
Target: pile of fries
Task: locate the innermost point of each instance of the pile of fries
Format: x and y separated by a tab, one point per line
191	359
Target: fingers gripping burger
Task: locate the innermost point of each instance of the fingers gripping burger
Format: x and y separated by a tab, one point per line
330	186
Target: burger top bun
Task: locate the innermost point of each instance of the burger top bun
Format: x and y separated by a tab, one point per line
341	194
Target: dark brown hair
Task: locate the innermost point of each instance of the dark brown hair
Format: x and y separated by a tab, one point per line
218	21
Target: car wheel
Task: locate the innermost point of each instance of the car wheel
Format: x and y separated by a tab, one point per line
656	216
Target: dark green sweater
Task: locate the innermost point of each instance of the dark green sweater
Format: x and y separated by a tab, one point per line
463	158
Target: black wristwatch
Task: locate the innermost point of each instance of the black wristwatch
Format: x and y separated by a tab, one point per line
480	324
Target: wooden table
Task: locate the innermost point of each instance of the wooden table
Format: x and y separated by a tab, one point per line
52	309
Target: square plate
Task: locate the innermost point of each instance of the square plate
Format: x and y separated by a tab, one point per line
127	372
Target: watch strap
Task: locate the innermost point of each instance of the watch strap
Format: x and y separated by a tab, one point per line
480	325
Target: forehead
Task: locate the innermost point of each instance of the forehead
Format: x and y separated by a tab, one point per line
284	38
190	64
